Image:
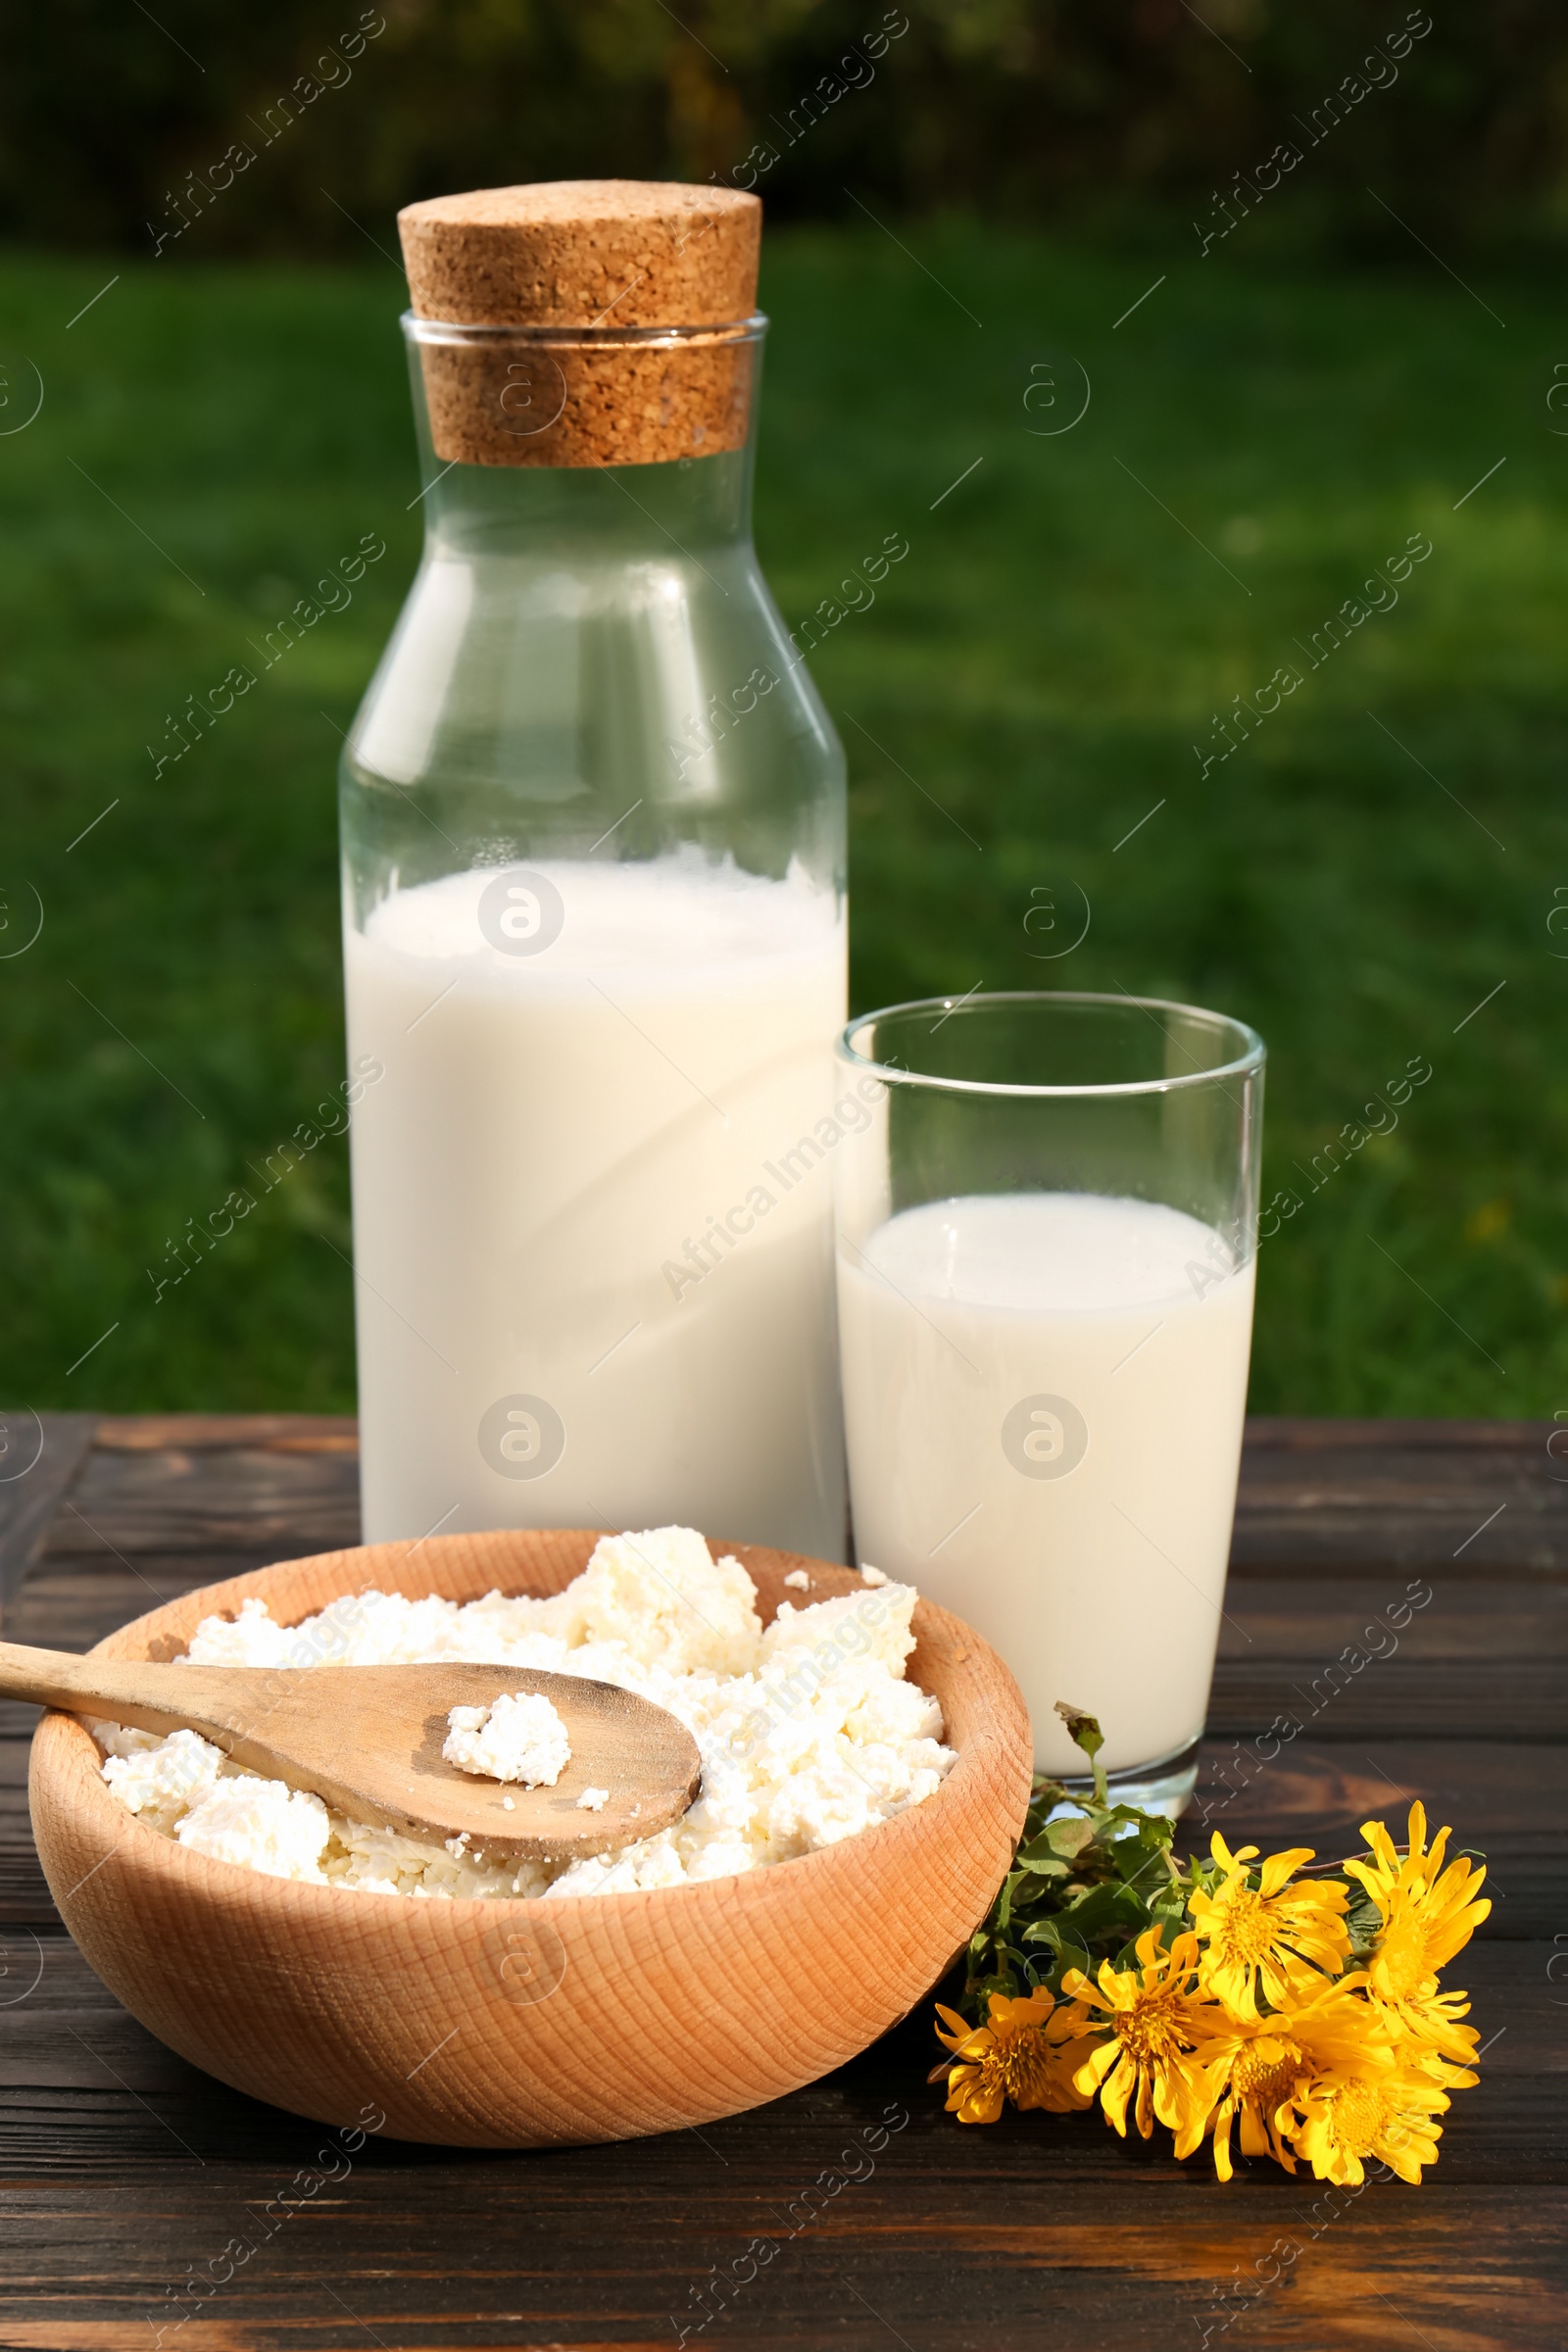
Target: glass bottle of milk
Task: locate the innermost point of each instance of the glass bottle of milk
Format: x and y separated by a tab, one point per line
593	935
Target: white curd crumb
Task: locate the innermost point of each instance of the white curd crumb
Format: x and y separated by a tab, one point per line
874	1626
593	1800
276	1830
664	1594
521	1738
508	1804
161	1781
799	1578
869	1576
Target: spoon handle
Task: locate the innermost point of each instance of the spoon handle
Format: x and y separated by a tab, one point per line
50	1678
125	1691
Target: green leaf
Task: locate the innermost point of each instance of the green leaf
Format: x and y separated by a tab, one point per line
1041	1866
1062	1937
1106	1908
1070	1834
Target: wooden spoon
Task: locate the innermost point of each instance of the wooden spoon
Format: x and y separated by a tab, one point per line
368	1739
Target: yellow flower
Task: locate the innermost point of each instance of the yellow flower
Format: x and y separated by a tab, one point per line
1157	2024
1263	2066
1027	2052
1428	1914
1385	2112
1278	1935
1433	2037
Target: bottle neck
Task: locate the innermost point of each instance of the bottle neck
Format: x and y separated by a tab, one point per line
626	512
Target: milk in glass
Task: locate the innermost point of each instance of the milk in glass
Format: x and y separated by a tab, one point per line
1043	1395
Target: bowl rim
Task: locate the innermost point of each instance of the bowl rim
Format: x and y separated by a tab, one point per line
63	1746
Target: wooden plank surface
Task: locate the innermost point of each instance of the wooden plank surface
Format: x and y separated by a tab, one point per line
41	1454
1376	1646
1494	1492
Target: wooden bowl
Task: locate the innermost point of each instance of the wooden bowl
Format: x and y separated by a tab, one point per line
496	2024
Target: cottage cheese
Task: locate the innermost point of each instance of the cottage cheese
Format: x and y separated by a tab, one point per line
808	1731
521	1738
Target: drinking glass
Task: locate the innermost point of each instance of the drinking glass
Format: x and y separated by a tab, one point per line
1046	1218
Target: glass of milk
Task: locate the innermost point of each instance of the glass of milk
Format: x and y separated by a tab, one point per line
1046	1229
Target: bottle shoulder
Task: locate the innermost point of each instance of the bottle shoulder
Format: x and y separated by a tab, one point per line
533	666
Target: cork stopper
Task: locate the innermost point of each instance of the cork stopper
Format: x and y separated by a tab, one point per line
610	263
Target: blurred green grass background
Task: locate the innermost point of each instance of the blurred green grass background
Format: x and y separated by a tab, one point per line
1028	685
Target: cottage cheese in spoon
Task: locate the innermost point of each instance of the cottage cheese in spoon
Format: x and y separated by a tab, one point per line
521	1738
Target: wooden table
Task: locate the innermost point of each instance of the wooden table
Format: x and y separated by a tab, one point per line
1441	1545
